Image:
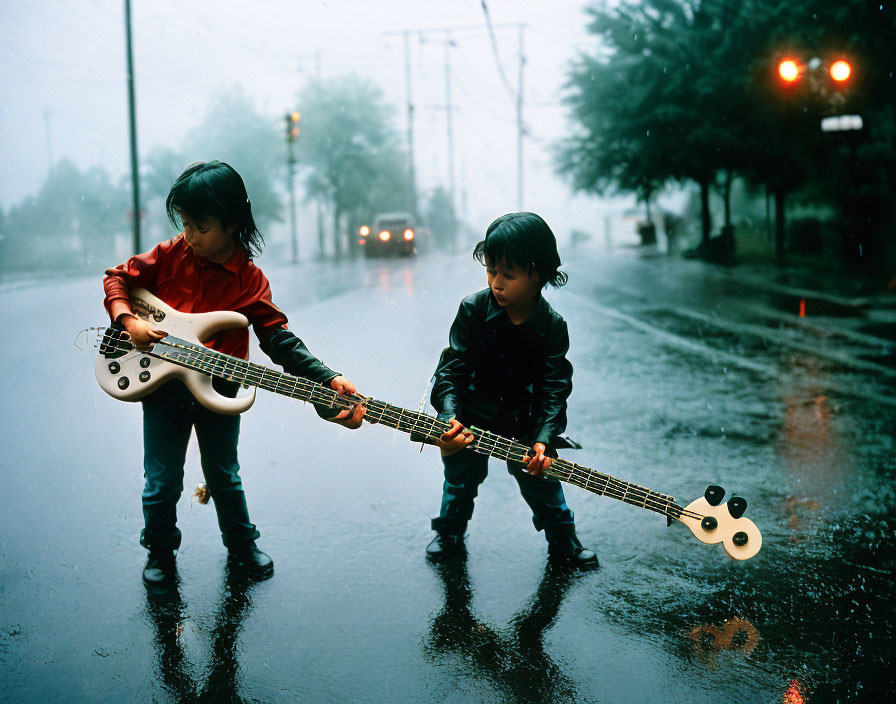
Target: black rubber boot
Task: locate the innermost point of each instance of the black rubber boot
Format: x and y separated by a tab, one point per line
251	560
160	571
564	547
446	545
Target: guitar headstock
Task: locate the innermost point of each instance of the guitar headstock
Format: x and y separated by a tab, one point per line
713	521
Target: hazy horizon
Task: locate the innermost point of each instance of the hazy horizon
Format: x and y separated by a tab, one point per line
65	89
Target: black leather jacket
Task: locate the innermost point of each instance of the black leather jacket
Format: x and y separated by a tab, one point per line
290	352
512	379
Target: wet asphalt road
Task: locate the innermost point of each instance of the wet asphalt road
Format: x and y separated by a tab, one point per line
685	375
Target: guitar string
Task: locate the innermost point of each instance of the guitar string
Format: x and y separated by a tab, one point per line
575	474
560	468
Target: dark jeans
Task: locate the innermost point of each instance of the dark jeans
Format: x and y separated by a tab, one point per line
169	415
466	470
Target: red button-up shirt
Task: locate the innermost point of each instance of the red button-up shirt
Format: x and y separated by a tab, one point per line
173	272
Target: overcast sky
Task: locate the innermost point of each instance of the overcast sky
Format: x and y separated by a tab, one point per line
64	88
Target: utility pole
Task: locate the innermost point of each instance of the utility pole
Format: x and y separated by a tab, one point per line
412	171
292	134
321	245
135	173
520	129
467	32
449	42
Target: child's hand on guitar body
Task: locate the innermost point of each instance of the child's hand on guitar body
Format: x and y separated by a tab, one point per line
350	417
142	332
536	461
455	438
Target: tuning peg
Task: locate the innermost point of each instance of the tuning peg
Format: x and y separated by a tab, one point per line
714	495
737	506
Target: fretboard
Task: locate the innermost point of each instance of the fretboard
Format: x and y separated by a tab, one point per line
426	427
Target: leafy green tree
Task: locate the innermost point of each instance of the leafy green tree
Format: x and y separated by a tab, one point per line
662	98
350	146
72	220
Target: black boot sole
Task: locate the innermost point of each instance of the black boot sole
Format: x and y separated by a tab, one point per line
573	562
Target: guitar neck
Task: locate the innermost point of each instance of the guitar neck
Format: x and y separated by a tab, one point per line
208	361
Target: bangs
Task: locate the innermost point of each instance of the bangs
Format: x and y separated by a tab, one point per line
501	245
196	197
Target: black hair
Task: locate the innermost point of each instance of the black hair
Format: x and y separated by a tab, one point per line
213	188
523	240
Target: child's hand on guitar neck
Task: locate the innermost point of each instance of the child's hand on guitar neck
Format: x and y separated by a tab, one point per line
349	417
142	333
536	460
455	439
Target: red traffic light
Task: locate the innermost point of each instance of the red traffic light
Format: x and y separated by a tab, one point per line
789	70
840	71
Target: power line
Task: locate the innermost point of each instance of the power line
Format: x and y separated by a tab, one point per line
494	43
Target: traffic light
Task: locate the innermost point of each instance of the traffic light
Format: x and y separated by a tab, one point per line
789	70
292	126
840	71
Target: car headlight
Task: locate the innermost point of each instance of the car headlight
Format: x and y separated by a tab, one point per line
409	234
364	230
385	235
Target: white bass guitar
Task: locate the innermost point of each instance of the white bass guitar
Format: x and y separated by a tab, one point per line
128	373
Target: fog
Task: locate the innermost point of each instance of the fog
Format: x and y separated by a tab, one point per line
65	95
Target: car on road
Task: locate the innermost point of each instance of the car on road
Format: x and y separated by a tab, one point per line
391	233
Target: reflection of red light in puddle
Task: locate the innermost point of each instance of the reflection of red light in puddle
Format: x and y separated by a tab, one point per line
794	693
802	307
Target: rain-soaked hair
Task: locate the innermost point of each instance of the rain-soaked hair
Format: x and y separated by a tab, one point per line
213	188
525	241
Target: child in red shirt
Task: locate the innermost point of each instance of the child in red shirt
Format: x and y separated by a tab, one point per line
207	267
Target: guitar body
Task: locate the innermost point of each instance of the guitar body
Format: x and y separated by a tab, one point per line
131	375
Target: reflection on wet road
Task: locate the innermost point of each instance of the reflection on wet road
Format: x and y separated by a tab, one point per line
512	659
181	676
685	375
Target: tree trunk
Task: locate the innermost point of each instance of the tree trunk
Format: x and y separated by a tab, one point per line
729	177
780	224
337	233
321	244
705	216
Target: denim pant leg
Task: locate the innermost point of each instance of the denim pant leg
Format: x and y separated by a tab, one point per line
544	496
464	472
167	424
218	436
